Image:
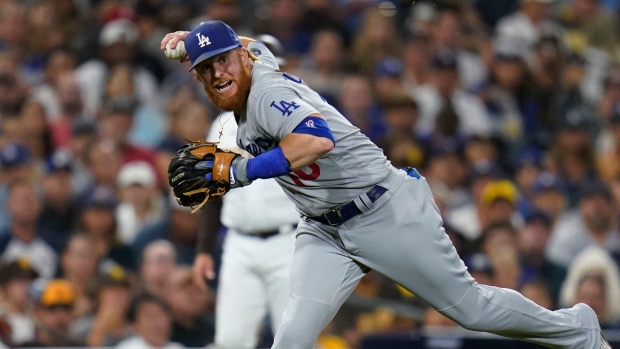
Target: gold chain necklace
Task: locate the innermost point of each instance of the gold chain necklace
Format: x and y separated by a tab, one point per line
222	125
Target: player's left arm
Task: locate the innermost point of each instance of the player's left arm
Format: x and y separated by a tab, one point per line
305	145
310	140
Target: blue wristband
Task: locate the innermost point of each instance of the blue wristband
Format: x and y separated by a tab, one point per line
268	165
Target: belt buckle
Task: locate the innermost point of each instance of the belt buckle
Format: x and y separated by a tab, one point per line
335	210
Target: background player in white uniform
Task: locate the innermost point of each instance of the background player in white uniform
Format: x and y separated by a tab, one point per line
257	252
359	211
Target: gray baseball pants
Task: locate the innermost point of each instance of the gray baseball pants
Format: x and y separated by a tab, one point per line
401	237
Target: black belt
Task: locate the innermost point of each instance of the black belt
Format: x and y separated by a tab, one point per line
269	233
344	212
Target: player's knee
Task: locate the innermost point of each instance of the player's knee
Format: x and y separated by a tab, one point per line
294	338
296	341
475	321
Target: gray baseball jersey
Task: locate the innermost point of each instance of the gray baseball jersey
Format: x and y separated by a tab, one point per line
399	235
277	104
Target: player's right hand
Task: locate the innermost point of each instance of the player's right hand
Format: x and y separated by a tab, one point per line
203	268
174	38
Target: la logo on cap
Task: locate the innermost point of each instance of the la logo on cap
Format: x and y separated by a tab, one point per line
203	40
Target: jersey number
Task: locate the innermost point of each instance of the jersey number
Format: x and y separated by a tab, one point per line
300	174
285	107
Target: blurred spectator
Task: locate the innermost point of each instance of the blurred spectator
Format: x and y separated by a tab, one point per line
387	77
498	235
532	240
13	90
357	103
228	11
446	37
376	39
97	221
608	160
538	292
322	68
494	203
78	263
416	58
110	291
610	96
548	195
180	227
103	159
151	320
43	37
400	144
158	261
12	26
285	23
589	26
480	268
16	165
480	175
191	308
147	123
115	124
593	278
37	135
573	152
70	105
528	24
54	90
481	155
141	203
446	166
322	15
22	238
15	280
54	301
60	209
527	167
508	272
506	95
117	40
592	224
443	92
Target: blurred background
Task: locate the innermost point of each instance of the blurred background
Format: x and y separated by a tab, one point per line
509	108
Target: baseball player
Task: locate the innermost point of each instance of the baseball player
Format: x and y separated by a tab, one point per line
258	249
358	211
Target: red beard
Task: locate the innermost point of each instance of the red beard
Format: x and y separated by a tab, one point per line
237	101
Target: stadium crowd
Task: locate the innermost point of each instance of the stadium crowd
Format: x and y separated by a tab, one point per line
510	109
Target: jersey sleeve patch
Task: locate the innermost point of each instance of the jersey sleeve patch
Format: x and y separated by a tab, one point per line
316	126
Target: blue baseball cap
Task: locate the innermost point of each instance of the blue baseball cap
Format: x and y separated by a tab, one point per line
14	155
59	161
548	181
209	39
101	197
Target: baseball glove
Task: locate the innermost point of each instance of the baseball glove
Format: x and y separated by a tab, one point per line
198	172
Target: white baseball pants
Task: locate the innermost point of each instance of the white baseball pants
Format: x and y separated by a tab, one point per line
254	280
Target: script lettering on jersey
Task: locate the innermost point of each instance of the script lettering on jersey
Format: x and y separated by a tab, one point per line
259	146
285	107
203	40
293	78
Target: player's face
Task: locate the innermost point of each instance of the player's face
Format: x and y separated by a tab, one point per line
226	79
